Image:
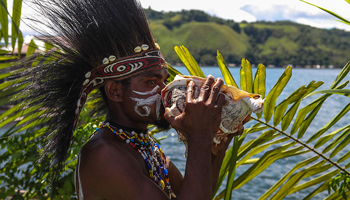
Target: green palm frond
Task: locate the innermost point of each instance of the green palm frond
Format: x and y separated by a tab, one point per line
319	169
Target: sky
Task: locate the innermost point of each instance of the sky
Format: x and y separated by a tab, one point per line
251	10
268	10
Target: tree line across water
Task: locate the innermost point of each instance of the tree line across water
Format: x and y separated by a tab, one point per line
278	43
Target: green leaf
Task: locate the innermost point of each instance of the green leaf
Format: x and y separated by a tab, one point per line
4	20
277	89
314	181
246	76
330	12
31	48
344	72
341	146
282	107
232	170
189	61
306	123
330	123
336	141
259	83
288	117
311	106
326	138
345	92
172	71
344	157
287	175
16	20
229	80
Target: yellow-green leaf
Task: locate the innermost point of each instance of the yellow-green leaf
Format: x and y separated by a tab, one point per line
4	21
189	62
246	76
229	80
277	89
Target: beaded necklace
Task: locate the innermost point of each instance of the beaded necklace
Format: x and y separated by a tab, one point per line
150	152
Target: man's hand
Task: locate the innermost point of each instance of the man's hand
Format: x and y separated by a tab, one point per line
220	149
201	117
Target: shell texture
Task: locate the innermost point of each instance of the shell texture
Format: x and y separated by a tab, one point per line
241	104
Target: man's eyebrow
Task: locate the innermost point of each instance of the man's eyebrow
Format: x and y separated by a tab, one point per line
156	75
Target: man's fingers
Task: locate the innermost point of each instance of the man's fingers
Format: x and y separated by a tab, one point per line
190	91
206	88
215	91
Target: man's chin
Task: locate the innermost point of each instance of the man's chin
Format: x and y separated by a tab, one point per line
162	124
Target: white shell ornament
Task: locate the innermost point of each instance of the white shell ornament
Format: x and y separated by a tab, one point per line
137	49
144	47
88	74
241	104
157	46
105	61
112	58
86	81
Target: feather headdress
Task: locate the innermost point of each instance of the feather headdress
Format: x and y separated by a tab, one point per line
93	40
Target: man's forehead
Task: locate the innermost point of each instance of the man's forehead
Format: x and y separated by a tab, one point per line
155	73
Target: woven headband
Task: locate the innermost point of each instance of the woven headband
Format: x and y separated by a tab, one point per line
118	69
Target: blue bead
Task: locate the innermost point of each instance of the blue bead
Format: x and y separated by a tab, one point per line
132	140
149	166
97	129
157	145
142	143
165	171
114	131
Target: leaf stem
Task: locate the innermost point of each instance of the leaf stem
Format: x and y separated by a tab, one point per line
304	144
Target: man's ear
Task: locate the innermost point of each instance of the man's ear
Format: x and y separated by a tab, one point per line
114	91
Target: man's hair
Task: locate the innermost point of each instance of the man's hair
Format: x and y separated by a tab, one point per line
83	33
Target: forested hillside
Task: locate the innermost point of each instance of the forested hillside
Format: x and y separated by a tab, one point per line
272	43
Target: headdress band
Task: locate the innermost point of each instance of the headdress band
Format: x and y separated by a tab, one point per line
118	69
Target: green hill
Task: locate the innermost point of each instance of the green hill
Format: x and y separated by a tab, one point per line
272	43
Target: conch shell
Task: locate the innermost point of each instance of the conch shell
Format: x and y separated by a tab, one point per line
241	104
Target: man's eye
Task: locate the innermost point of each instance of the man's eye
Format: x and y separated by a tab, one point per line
151	82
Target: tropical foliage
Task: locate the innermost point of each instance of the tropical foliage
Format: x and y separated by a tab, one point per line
282	127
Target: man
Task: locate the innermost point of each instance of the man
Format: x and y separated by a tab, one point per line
107	45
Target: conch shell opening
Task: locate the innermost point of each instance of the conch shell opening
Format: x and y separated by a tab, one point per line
241	104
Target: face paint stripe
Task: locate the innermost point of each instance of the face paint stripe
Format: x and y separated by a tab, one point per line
148	92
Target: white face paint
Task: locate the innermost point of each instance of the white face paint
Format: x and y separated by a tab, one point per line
144	103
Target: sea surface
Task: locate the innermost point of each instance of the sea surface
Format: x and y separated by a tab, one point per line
256	187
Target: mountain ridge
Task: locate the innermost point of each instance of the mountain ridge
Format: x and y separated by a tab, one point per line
277	43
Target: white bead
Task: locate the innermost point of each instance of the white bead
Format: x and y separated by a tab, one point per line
141	134
77	111
137	49
157	46
86	81
120	130
112	58
133	132
78	103
87	75
105	61
144	47
127	141
107	123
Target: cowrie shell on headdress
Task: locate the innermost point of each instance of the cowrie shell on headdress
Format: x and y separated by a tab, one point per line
77	111
105	61
157	46
144	47
78	103
137	49
86	81
87	75
112	58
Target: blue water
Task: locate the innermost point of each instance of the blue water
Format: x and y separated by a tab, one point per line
256	187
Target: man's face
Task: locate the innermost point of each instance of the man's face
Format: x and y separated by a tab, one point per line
142	100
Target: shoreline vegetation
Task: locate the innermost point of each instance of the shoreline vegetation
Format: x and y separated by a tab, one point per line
275	44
